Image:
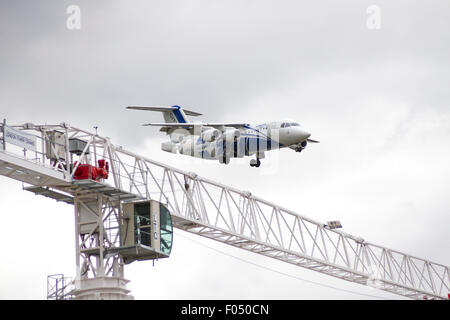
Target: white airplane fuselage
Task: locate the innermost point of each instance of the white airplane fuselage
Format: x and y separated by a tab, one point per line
250	140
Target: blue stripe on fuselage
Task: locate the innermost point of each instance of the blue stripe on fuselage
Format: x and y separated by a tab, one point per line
256	143
269	139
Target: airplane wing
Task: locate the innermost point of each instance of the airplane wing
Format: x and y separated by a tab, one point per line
312	141
193	125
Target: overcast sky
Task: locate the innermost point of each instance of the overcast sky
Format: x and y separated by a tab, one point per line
378	100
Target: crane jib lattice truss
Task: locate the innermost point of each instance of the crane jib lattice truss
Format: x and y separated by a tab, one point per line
203	207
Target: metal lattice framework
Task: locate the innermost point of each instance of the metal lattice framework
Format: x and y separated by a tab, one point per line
59	287
231	216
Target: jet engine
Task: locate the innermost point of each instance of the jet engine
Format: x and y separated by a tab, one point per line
169	147
210	135
187	147
231	135
176	137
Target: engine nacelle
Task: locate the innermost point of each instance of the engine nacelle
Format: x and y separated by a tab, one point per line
176	137
187	147
231	135
210	135
169	147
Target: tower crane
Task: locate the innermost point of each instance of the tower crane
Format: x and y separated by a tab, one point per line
126	205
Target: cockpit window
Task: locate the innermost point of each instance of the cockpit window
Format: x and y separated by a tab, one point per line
290	124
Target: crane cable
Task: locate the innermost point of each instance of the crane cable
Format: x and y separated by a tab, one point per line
282	273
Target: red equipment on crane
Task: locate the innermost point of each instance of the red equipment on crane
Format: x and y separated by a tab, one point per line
86	171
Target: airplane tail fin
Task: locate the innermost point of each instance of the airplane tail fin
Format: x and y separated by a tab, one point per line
172	114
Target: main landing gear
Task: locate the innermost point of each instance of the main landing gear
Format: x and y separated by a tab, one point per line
255	163
224	159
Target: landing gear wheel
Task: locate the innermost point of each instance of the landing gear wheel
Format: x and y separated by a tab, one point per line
255	163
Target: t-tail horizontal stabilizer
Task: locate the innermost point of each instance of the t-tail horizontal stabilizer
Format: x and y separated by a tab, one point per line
171	114
166	109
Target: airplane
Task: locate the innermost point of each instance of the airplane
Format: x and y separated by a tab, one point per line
223	141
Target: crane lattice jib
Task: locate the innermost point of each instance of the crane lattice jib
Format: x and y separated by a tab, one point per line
234	217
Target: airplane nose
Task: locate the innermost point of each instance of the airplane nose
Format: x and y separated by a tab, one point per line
302	134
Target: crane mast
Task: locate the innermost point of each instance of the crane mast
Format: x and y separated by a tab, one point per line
50	162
